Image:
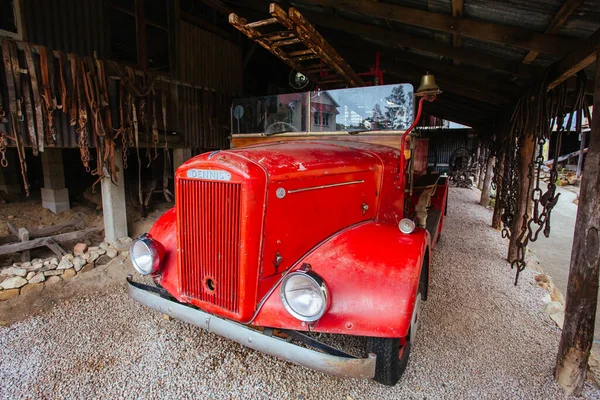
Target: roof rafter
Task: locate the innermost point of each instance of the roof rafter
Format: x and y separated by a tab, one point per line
457	12
396	39
582	56
486	31
561	17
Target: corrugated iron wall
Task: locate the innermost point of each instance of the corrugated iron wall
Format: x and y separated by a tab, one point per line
208	60
72	26
443	142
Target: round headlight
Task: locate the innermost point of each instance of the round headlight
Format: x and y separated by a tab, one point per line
406	226
304	295
144	255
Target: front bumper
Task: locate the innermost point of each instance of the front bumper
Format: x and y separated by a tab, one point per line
329	364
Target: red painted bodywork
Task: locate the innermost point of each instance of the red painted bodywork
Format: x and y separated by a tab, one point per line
342	203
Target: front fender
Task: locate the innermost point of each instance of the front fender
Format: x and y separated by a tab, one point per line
372	271
164	232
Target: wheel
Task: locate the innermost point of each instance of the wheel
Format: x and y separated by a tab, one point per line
392	357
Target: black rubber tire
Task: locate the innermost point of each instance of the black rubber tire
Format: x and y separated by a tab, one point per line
389	367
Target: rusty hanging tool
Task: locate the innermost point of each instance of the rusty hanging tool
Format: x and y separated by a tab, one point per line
63	83
37	100
46	67
79	110
167	156
13	84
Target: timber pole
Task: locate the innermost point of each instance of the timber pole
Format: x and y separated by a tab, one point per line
524	201
582	288
496	217
487	181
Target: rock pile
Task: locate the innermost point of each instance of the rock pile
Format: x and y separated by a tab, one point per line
21	278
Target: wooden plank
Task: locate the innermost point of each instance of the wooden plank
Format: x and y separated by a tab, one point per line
32	244
486	31
397	40
55	247
388	138
583	55
457	12
582	287
561	17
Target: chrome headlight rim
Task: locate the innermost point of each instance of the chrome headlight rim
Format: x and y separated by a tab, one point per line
151	247
319	282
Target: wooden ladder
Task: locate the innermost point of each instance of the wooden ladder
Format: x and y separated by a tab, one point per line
311	54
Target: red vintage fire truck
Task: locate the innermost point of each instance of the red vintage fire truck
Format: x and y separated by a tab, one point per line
320	219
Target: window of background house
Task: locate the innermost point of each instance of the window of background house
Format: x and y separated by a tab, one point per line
325	119
10	19
317	118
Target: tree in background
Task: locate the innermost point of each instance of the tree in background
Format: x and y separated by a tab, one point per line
397	110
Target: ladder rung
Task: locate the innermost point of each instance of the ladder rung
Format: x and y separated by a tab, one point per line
307	58
277	36
286	42
264	22
300	53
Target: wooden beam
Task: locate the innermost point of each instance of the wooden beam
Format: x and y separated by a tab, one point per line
218	6
403	40
206	25
561	17
457	12
486	31
582	288
451	85
40	242
582	55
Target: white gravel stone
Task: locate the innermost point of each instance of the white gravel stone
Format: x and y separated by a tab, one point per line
480	337
78	263
13	283
14	271
104	245
39	277
111	252
65	264
100	251
54	272
30	275
93	256
35	266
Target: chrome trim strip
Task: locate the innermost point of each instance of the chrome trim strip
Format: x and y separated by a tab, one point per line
340	366
324	186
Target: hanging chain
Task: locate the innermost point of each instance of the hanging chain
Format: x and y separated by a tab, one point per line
533	118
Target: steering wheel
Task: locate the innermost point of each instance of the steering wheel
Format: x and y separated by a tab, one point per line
280	127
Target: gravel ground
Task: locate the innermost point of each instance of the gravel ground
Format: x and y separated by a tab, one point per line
481	337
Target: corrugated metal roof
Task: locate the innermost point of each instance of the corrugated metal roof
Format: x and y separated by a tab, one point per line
534	15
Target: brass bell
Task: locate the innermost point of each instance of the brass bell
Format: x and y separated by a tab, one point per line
428	87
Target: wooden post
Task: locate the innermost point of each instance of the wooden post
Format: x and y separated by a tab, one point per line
524	201
496	218
24	237
487	181
580	158
477	170
481	168
582	287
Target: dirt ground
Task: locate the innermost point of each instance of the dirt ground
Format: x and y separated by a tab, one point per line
29	213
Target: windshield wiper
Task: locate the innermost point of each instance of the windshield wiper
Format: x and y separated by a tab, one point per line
357	131
278	133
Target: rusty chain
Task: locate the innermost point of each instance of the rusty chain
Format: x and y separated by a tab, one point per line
533	119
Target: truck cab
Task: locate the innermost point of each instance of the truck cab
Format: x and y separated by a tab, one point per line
318	219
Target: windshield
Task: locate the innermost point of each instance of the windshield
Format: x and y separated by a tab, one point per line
373	108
